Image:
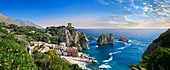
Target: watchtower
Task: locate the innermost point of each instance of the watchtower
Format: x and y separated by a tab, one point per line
69	24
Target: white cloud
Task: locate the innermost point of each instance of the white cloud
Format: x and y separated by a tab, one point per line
144	3
121	1
150	6
126	8
162	8
156	12
104	2
147	9
133	4
118	20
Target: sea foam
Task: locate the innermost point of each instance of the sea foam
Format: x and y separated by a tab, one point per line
96	45
105	66
130	41
124	46
115	52
111	58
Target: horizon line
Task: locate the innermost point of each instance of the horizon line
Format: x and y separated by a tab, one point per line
116	28
121	28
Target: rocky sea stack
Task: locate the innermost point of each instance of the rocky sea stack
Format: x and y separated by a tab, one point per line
123	39
91	38
104	39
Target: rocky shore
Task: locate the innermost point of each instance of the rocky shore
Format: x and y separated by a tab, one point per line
81	60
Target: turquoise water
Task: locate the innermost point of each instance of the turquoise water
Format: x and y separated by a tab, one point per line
120	55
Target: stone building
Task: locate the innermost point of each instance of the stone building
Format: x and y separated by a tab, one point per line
69	24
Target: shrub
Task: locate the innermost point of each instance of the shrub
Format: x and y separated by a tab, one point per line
52	53
13	56
159	59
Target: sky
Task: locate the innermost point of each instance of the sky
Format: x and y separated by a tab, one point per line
91	13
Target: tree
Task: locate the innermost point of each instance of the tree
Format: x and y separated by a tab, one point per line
13	56
52	53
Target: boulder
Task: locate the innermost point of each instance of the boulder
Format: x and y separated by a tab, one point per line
91	38
123	39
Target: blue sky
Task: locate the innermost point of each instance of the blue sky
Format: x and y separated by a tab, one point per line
90	13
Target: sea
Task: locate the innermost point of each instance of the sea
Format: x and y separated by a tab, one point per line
120	55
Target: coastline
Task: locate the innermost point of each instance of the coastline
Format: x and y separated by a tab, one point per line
76	60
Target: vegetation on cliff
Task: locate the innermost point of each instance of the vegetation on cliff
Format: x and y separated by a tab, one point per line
157	55
51	61
28	33
14	51
162	41
14	57
68	35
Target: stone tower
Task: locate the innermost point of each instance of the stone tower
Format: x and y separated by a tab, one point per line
69	24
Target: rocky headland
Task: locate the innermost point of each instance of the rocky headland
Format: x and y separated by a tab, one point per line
157	55
73	38
104	39
163	41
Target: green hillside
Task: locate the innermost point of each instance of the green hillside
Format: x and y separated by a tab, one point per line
14	51
157	55
13	56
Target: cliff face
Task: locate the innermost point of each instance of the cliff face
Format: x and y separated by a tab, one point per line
163	41
83	40
157	55
111	39
103	39
71	37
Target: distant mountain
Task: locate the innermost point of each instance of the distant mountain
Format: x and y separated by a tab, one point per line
19	22
7	20
27	23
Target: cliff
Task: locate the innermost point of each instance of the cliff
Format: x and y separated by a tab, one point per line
73	38
103	39
157	55
162	41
